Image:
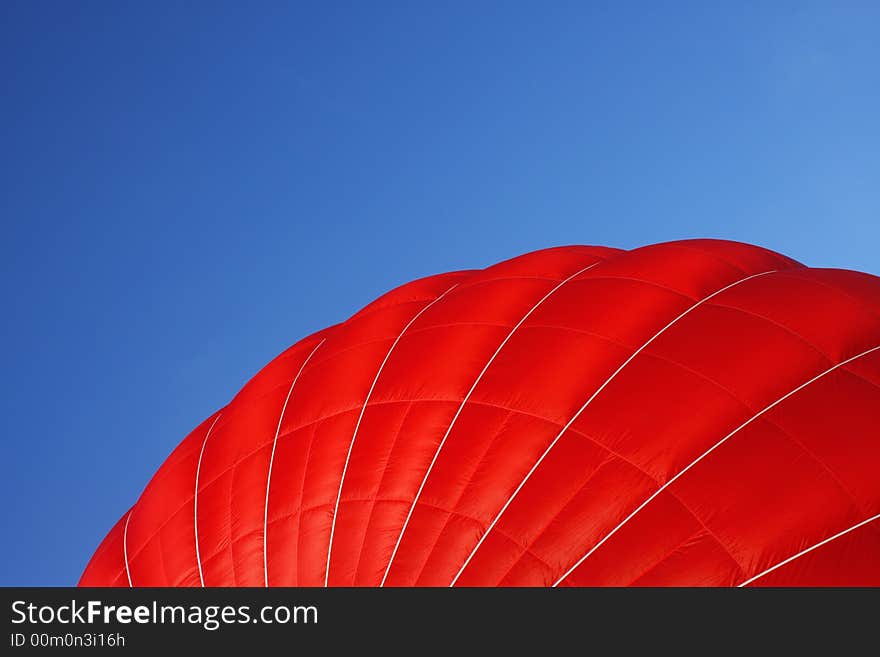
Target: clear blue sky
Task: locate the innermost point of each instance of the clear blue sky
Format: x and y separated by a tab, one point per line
188	190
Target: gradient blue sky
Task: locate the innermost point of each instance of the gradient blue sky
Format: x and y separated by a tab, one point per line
188	190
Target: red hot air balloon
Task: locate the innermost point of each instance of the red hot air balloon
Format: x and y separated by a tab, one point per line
698	412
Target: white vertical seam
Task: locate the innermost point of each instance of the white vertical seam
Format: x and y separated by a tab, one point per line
272	460
462	405
705	454
358	425
581	410
196	500
125	547
810	549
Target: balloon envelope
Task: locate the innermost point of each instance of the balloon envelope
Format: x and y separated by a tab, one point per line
699	412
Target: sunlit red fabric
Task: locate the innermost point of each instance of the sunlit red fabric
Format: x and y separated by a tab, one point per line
690	413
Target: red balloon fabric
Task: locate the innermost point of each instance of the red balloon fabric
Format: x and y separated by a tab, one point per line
693	413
